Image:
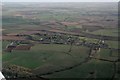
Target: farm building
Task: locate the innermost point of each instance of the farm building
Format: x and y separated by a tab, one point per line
10	47
15	46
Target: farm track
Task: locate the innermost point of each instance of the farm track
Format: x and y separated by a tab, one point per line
115	71
103	59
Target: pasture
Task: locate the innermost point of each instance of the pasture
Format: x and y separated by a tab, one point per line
101	69
45	54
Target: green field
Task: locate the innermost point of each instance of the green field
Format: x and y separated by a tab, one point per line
113	44
107	54
43	58
101	69
106	32
53	53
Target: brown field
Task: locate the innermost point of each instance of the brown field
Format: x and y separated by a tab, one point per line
13	38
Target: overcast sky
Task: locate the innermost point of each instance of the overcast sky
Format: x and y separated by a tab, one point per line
60	0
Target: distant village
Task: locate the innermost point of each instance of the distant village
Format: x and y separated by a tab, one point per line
27	39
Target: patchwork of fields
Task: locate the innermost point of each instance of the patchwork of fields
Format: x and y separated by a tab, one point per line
44	58
67	40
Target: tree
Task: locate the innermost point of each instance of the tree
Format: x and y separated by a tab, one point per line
71	44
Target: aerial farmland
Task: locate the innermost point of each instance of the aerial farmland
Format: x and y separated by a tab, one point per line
60	40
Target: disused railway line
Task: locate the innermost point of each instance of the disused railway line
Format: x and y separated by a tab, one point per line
82	34
88	35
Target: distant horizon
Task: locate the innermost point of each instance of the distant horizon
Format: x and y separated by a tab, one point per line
60	1
56	2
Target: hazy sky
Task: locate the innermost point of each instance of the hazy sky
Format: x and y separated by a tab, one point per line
60	0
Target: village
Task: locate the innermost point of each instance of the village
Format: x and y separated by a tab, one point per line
25	40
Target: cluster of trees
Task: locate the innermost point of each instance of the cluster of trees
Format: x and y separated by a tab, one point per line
13	71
